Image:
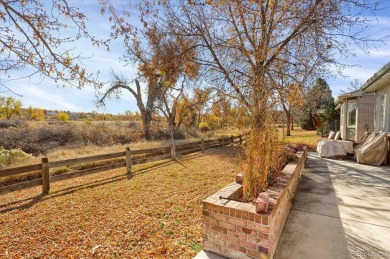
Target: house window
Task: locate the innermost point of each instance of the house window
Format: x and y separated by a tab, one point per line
351	119
381	112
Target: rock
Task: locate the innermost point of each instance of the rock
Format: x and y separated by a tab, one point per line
262	202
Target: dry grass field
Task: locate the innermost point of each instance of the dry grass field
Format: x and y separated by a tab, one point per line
59	141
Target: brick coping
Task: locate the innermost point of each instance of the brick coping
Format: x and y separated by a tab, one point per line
233	192
233	229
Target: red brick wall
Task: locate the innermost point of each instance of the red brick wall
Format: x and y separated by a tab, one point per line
233	229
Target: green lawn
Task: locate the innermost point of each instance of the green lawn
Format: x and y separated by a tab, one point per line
299	136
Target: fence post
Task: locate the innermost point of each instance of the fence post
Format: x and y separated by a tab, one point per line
231	138
45	175
240	139
128	161
202	145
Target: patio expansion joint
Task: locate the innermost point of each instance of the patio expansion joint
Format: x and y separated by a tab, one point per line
345	219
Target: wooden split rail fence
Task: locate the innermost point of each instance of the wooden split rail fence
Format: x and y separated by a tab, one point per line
132	157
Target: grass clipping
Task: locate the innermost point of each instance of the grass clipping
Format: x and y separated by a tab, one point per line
262	157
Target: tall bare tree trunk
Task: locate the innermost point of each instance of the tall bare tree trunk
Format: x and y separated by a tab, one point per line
287	111
288	121
172	127
146	117
292	122
173	148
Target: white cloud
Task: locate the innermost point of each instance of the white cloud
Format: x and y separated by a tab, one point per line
43	96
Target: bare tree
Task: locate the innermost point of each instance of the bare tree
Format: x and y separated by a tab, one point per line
169	100
146	108
163	61
354	85
289	76
189	108
31	36
238	43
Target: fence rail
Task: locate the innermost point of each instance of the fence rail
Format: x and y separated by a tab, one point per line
131	157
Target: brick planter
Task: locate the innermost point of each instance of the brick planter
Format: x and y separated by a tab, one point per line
234	230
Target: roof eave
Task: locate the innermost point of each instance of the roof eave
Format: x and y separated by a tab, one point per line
369	85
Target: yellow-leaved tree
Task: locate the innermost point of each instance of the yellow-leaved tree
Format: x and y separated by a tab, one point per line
62	116
9	107
36	114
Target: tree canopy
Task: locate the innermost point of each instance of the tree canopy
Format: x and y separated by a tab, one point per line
9	107
240	46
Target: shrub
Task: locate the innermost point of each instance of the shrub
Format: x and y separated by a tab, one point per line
178	134
8	157
285	155
60	134
36	114
62	116
204	126
4	124
48	137
133	125
60	170
297	147
194	132
308	123
158	133
40	140
87	122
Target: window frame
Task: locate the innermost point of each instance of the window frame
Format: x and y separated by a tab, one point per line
381	112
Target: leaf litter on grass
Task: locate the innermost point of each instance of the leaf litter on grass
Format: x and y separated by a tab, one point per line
155	214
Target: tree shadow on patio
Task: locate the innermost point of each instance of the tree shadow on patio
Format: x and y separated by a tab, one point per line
313	228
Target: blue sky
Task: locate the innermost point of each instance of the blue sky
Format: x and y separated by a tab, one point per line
43	93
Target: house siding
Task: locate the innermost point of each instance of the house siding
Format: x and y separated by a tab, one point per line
365	114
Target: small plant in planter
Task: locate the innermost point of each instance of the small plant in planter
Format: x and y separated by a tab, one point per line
281	156
260	160
266	159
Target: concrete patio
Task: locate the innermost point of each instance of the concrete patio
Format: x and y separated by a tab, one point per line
341	210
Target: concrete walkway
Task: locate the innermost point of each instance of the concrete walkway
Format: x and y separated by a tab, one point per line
341	210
